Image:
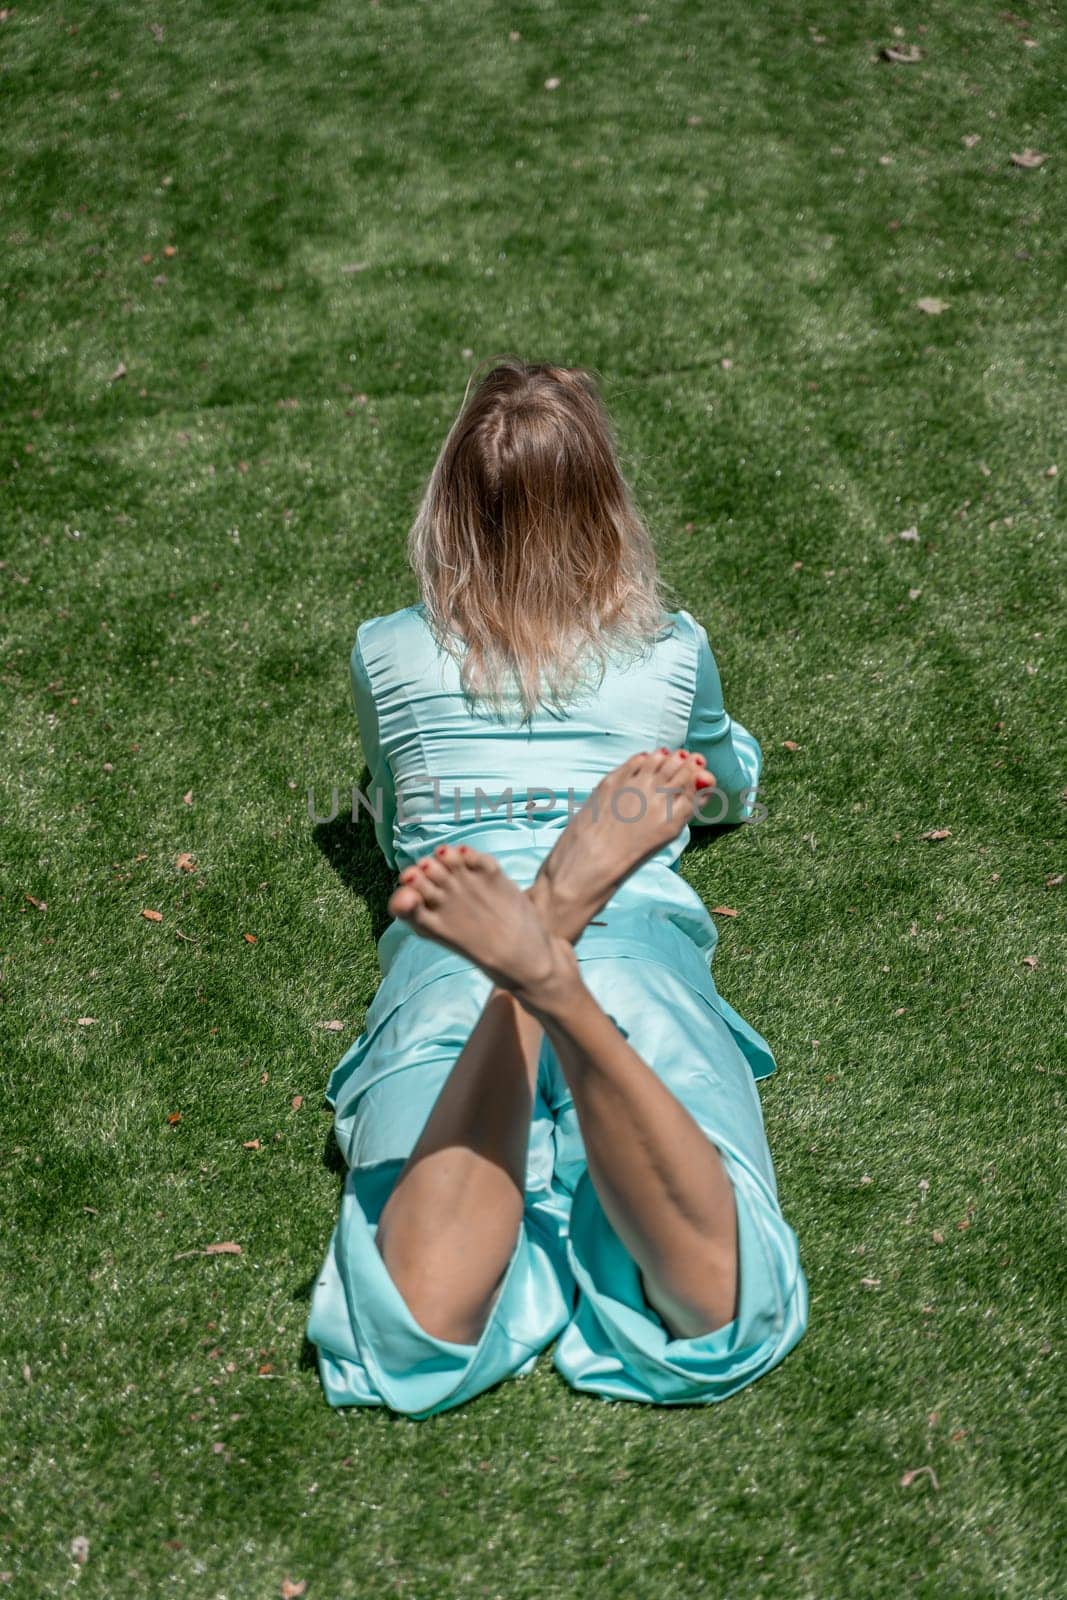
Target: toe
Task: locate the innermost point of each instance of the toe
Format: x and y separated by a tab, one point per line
691	767
434	870
696	770
404	901
479	862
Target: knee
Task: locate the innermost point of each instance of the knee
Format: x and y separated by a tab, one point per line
442	1318
696	1303
440	1307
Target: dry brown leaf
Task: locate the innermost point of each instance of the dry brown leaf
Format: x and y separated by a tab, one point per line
909	535
152	916
971	139
250	1144
185	862
902	55
119	372
723	911
552	83
790	744
1028	159
79	1549
932	305
249	938
1052	472
330	1027
174	1117
187	798
935	835
871	1283
1032	962
226	1248
909	1477
85	1022
293	1588
297	1101
1054	880
38	905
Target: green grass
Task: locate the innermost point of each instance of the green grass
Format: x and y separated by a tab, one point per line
187	552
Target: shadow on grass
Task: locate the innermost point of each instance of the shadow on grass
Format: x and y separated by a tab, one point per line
701	840
352	851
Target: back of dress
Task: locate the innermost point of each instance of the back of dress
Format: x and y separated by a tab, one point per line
446	771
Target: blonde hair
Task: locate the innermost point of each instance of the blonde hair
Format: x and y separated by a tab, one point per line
533	563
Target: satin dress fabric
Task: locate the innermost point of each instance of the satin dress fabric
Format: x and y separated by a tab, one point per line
569	1279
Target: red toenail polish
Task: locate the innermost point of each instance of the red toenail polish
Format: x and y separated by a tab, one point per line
440	850
700	761
663	751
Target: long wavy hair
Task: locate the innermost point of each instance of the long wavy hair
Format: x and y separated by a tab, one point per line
534	565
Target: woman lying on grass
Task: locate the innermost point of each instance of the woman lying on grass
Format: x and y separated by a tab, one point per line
550	1120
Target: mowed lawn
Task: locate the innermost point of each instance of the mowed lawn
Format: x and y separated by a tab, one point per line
249	256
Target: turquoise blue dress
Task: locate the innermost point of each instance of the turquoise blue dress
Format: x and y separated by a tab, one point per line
441	772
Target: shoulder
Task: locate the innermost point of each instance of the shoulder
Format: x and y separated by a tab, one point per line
696	658
686	632
391	636
685	624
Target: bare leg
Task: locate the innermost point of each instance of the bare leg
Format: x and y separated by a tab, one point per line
661	1182
448	1229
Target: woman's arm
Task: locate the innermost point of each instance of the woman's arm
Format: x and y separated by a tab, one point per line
732	753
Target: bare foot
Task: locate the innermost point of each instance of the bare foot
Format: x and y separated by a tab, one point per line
631	814
465	900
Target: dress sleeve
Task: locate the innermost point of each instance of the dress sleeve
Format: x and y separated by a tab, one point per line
732	753
381	794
